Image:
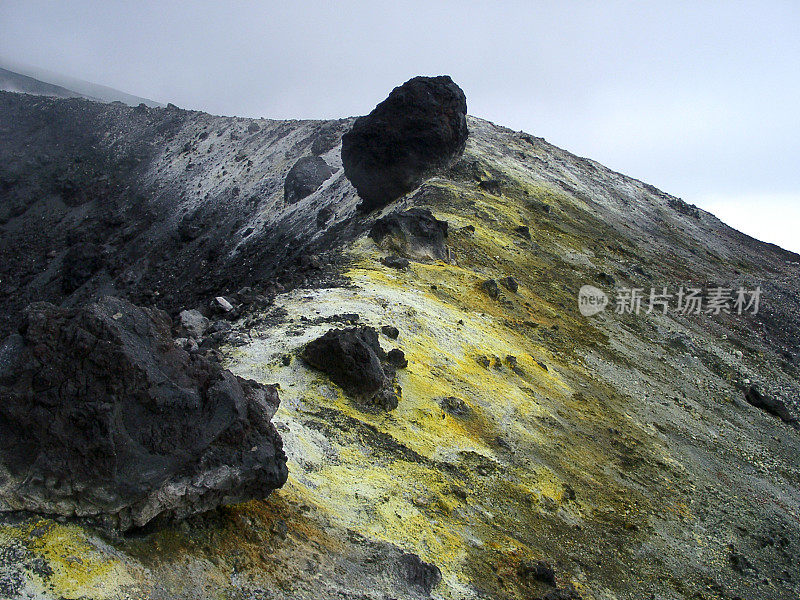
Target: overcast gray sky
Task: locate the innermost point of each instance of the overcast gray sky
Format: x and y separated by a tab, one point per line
701	99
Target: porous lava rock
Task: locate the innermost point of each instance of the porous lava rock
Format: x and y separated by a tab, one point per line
355	361
104	418
419	128
414	233
304	178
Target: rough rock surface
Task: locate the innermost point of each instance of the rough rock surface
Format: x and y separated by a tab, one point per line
419	128
419	573
769	404
103	417
193	323
355	361
415	233
305	178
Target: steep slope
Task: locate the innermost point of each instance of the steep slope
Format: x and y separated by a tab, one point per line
617	448
159	205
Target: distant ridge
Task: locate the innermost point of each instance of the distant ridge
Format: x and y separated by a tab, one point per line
14	82
29	80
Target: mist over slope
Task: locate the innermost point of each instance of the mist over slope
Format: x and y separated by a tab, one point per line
534	453
43	83
14	82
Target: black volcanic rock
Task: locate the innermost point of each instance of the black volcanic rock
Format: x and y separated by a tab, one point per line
419	573
104	418
355	361
415	233
305	178
769	404
419	128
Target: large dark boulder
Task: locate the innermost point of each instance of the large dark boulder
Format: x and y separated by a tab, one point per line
304	178
415	233
104	418
419	128
355	361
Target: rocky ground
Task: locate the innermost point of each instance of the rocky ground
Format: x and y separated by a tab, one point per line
533	453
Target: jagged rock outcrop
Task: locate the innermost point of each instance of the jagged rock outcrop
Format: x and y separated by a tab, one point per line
415	233
103	417
305	178
419	128
355	361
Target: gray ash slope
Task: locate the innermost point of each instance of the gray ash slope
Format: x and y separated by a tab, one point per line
162	206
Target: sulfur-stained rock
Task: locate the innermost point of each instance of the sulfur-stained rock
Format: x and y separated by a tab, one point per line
103	417
510	284
418	129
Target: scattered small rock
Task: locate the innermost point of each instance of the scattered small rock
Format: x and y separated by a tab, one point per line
490	288
193	323
221	304
390	331
492	186
740	563
606	278
219	326
310	262
395	262
538	571
769	404
456	407
397	358
523	231
510	284
324	215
